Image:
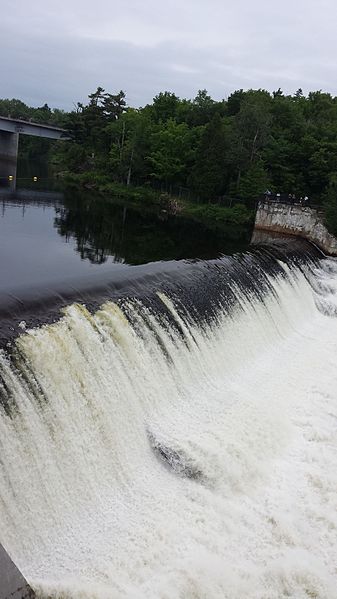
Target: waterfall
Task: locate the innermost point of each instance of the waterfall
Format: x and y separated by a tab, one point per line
178	441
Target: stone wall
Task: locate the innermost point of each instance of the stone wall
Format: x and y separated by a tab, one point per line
301	221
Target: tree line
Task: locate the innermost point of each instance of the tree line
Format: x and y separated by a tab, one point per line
252	141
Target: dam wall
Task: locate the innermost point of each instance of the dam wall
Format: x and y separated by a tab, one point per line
12	584
300	221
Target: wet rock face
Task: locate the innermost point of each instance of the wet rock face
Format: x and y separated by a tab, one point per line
178	462
12	584
296	220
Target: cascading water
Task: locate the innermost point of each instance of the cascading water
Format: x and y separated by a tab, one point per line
179	443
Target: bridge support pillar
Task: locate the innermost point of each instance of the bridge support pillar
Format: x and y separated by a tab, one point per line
9	143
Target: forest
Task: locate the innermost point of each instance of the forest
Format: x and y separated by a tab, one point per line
237	147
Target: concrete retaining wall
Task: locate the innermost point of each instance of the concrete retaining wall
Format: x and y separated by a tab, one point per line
12	584
295	220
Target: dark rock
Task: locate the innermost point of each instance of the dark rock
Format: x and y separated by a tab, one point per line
176	460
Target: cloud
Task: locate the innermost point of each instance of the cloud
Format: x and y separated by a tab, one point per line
60	52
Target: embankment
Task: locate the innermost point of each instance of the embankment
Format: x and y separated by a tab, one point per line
300	221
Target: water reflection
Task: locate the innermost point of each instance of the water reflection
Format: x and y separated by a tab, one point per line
57	250
137	235
55	245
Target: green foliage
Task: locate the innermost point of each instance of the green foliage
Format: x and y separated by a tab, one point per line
235	147
208	175
234	102
33	149
254	182
164	107
331	205
171	152
215	214
102	184
250	132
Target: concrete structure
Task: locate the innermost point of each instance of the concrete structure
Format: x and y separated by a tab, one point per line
10	129
9	143
12	584
300	221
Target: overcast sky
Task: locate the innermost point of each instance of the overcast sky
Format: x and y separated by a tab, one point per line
59	51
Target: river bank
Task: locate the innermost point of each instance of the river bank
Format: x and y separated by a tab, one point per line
214	215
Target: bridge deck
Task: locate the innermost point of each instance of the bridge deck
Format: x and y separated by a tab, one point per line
30	128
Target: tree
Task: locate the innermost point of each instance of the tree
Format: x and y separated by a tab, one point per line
250	130
331	204
129	144
164	107
238	146
203	108
254	181
114	105
253	122
234	102
171	152
209	173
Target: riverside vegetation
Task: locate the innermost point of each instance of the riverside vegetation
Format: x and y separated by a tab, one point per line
200	151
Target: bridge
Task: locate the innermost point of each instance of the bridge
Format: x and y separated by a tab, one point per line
10	129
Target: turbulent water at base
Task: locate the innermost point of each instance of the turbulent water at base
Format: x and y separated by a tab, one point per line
180	446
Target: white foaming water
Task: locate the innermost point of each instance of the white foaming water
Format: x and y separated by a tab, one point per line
248	404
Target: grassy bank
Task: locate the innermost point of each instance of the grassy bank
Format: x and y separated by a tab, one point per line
213	215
